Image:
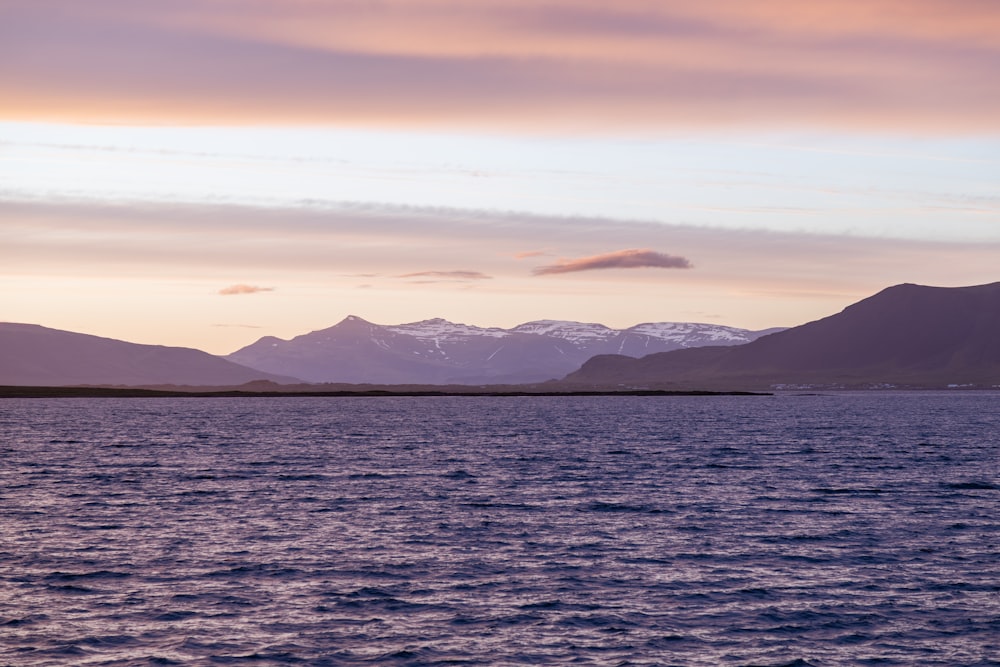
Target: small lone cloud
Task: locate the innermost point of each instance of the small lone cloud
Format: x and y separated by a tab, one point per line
437	276
530	253
238	326
622	259
243	289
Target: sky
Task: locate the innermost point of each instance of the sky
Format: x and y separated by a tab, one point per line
207	172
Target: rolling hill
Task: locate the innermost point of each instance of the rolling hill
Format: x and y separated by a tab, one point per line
906	335
33	355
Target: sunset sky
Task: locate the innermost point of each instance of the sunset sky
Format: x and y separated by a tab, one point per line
206	172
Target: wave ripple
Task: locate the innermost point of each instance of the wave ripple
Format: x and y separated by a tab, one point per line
787	530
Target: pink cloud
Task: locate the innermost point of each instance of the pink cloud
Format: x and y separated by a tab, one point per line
243	289
622	259
448	275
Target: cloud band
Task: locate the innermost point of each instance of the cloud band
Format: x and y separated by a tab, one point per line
889	64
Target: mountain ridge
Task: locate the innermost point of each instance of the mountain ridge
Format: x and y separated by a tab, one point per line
907	335
436	351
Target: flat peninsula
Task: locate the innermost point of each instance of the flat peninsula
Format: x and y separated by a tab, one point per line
359	391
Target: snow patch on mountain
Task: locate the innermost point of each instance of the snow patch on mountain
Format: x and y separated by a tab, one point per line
577	332
438	330
681	331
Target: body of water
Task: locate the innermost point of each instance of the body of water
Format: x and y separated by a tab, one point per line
842	529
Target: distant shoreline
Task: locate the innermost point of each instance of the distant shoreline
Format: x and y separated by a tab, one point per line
137	392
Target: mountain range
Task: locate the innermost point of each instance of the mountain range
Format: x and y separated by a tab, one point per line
354	351
440	352
907	335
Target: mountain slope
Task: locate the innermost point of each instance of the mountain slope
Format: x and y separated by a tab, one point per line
32	355
440	352
907	334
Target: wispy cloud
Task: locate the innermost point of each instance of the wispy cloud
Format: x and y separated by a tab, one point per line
529	253
621	259
329	246
233	290
457	276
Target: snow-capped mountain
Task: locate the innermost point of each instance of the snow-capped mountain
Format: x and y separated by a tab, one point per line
437	351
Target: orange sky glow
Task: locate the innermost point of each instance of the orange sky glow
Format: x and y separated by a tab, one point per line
203	172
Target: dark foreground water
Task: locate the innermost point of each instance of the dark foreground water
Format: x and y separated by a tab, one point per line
788	530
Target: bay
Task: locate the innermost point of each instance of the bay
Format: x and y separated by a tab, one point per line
849	528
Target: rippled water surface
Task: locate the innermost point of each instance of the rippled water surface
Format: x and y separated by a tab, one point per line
785	530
